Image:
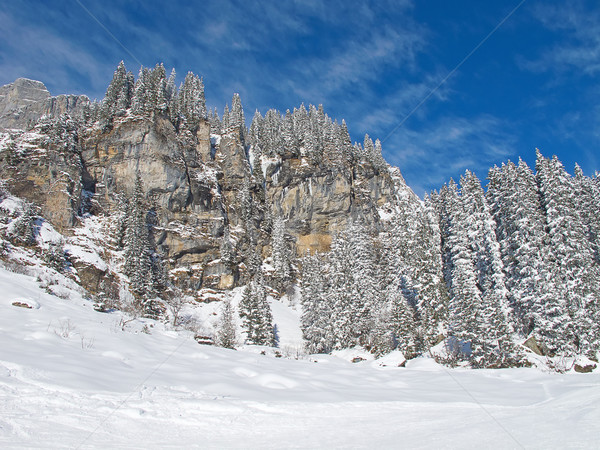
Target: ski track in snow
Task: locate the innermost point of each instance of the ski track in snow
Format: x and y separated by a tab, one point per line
70	377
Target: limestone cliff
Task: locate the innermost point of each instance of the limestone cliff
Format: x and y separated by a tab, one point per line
24	102
200	186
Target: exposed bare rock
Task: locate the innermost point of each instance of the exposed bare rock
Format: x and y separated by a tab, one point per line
195	188
587	368
24	102
44	174
21	94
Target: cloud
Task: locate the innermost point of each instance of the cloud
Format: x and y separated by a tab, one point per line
430	156
579	45
399	102
31	51
357	62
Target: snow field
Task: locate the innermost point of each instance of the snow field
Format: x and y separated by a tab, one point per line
71	377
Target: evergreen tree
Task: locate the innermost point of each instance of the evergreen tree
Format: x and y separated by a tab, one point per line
382	339
514	201
171	87
365	282
353	293
225	120
118	95
255	132
138	253
402	319
215	122
158	90
256	315
290	143
572	259
465	320
141	93
192	103
226	249
341	294
410	258
226	331
236	116
587	198
480	228
281	251
316	323
21	229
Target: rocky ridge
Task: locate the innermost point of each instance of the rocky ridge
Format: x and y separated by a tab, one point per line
24	102
198	188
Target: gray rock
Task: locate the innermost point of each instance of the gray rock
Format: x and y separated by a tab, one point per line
588	368
194	189
24	102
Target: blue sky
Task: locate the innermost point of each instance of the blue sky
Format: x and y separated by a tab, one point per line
533	83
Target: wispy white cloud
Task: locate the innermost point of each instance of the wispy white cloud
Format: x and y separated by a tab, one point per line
428	157
389	110
356	62
579	46
34	52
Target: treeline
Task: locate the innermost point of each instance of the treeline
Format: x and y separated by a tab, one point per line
482	272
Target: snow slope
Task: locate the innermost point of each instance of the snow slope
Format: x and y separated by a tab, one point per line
71	377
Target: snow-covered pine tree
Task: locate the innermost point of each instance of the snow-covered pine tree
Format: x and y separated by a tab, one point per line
289	141
256	130
302	130
236	115
192	102
138	253
402	319
226	248
514	201
365	282
316	323
373	153
141	93
270	134
21	229
354	289
382	339
171	87
226	331
118	95
574	267
158	89
344	142
255	312
315	135
432	305
225	120
126	95
411	258
280	250
587	198
341	294
478	225
446	204
215	122
464	307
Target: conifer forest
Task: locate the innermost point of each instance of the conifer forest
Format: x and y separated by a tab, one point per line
196	203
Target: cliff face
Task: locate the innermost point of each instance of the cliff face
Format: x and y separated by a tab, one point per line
320	201
199	187
24	101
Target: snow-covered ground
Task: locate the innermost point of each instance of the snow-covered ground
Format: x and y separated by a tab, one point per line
71	377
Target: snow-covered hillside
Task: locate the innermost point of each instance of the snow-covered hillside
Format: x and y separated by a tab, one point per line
72	377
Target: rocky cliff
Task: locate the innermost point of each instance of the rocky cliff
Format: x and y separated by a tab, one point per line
24	102
201	187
